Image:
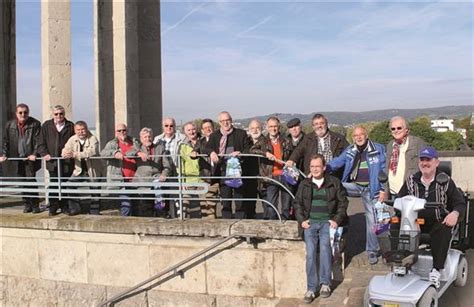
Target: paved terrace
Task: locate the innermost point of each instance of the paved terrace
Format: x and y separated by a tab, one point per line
268	273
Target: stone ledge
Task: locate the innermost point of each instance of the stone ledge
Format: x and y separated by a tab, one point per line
152	226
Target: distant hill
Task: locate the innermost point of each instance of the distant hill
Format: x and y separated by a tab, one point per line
351	118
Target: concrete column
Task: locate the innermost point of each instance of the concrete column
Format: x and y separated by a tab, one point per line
128	65
56	55
7	63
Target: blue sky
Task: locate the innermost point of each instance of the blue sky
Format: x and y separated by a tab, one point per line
256	58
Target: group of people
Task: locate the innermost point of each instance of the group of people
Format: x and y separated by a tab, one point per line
334	168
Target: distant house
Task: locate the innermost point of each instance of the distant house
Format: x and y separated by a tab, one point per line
442	124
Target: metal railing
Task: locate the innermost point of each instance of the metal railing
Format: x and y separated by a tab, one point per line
176	269
147	188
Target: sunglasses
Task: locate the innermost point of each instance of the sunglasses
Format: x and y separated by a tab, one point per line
169	126
396	128
121	130
58	114
23	113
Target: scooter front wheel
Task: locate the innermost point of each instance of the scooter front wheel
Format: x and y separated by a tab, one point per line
461	275
429	298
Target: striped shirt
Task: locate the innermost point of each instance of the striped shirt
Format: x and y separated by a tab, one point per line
363	172
319	207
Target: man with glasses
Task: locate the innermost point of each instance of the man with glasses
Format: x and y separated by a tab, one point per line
55	133
224	143
323	141
121	163
170	139
402	154
21	141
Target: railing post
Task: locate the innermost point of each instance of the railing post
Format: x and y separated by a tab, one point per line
59	177
180	181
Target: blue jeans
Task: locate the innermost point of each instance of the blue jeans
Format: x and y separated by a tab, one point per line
355	190
273	190
318	233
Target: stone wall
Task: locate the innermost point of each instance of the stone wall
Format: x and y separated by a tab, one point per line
462	168
83	260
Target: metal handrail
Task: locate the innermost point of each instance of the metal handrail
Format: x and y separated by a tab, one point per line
174	268
98	183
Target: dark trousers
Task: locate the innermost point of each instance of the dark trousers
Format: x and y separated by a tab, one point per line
236	194
26	171
75	205
440	240
250	191
54	202
273	192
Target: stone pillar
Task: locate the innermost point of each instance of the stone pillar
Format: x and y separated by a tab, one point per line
128	65
56	55
7	63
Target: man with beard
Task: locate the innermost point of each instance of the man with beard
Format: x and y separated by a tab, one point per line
323	141
255	187
222	143
362	163
54	135
21	141
81	147
439	222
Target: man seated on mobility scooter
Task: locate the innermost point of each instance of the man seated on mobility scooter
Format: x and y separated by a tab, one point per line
439	222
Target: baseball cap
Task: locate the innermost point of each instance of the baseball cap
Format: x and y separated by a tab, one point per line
428	152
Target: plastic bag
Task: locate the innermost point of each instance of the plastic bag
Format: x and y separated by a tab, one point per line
383	215
290	175
233	172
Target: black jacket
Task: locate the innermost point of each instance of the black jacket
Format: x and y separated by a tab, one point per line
10	143
238	140
446	193
52	143
300	164
309	146
336	200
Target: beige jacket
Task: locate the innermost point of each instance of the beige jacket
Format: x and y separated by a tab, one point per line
91	149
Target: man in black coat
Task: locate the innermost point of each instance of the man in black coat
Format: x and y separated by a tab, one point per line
323	141
55	133
228	141
21	141
320	204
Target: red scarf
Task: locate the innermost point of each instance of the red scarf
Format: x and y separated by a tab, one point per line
21	128
223	141
396	155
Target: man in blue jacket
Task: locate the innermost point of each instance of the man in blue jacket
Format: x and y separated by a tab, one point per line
362	162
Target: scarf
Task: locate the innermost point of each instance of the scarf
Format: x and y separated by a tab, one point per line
324	147
395	155
356	163
223	141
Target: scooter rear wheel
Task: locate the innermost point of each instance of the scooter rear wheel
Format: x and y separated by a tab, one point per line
461	275
429	298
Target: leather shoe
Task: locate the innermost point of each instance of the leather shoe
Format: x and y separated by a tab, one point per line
72	212
36	210
53	213
27	210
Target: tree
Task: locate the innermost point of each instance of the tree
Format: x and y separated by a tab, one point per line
380	133
449	140
421	127
470	137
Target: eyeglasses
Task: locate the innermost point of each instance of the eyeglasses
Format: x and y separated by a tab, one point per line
396	128
58	114
121	130
23	112
169	126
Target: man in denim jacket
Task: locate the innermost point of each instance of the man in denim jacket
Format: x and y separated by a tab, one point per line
362	162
